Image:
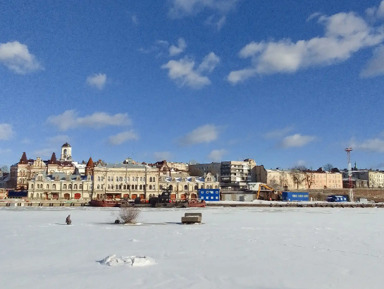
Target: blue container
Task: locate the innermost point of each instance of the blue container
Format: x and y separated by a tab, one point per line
295	196
209	195
337	198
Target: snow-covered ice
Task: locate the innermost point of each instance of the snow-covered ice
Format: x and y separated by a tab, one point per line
258	248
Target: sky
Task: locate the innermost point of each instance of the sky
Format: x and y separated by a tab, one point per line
283	82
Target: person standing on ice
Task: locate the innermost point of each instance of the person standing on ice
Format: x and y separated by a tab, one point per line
68	220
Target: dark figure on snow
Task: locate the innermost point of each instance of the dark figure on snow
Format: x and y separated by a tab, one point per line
68	220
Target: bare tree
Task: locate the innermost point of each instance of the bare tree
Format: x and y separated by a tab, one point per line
328	167
128	215
298	177
309	178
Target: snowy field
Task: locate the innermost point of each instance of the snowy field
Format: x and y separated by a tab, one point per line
266	248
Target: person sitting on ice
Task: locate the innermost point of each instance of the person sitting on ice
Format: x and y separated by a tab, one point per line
68	220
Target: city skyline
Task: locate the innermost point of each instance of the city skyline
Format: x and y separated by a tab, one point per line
284	83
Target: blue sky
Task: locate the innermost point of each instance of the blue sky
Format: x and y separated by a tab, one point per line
283	82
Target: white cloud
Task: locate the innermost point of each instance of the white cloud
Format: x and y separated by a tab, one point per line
376	12
375	66
97	80
203	134
123	137
181	8
345	34
160	156
5	151
17	58
217	155
183	71
58	139
209	63
296	140
70	119
44	153
175	50
372	145
134	19
216	21
278	133
6	131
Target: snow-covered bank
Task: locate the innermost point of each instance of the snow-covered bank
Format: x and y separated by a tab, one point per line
235	248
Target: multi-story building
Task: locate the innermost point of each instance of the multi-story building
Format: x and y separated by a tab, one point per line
59	186
365	179
236	174
130	180
299	180
26	169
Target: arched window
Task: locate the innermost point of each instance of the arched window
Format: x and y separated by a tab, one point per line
80	187
47	186
70	187
75	187
140	187
185	187
54	186
98	187
31	186
64	186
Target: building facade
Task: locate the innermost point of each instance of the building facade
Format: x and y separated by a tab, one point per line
288	180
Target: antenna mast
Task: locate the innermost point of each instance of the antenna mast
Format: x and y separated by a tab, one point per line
348	150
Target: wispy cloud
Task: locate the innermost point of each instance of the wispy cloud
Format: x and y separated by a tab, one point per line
176	50
44	152
376	12
375	66
17	58
278	133
217	155
184	73
203	134
97	80
345	34
296	140
123	137
70	120
160	156
182	8
58	139
371	145
6	131
135	19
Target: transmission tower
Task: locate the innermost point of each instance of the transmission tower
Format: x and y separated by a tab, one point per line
348	150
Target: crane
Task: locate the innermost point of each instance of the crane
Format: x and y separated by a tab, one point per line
264	186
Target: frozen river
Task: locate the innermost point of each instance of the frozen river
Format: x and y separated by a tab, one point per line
268	248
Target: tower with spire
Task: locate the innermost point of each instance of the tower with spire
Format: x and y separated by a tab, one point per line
66	152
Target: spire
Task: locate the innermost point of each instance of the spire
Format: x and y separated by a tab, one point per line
90	163
89	168
24	159
53	159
